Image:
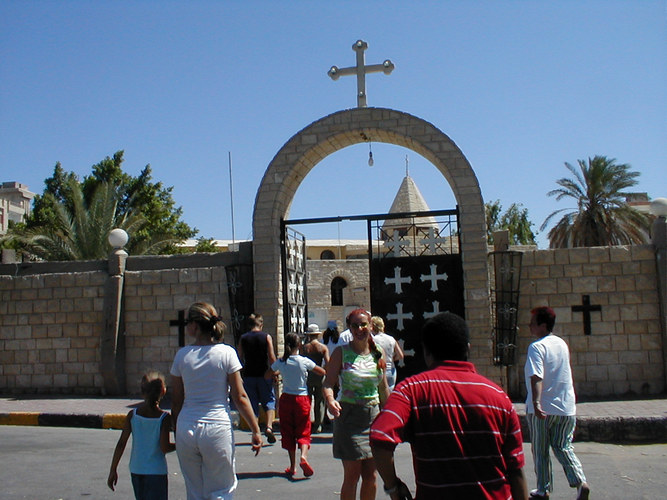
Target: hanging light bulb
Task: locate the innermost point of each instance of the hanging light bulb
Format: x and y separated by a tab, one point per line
370	156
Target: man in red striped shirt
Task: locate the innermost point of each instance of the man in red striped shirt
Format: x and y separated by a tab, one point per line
463	430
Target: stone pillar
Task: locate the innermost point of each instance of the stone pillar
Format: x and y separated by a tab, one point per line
112	345
659	237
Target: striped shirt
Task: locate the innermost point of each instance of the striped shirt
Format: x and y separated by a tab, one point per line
463	430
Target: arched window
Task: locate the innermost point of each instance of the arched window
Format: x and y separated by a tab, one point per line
327	255
337	285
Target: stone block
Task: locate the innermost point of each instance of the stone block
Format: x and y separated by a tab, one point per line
620	254
597	373
625	283
572	270
579	255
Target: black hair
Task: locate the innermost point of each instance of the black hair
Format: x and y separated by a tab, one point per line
446	337
291	344
152	384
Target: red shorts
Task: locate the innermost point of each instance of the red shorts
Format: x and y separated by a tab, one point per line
294	413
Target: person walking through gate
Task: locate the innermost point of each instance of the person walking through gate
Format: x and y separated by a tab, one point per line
551	406
294	404
392	350
203	375
318	352
363	385
256	353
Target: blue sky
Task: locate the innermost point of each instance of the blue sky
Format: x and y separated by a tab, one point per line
520	86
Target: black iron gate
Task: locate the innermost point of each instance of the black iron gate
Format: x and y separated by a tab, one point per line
293	254
416	272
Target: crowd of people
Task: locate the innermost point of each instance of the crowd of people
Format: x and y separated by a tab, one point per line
464	433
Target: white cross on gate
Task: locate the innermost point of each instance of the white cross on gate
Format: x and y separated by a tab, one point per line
291	285
397	280
298	254
299	288
302	319
434	277
408	352
394	244
294	318
433	240
436	310
360	70
400	316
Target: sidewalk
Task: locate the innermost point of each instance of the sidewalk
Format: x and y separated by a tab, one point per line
626	421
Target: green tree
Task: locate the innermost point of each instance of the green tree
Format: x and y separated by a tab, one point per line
77	230
602	216
514	219
162	226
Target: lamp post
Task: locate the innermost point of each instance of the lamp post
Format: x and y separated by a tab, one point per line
112	346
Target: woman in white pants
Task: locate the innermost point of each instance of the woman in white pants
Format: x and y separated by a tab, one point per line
203	374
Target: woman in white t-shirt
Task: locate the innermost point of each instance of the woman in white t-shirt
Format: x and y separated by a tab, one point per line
203	375
392	350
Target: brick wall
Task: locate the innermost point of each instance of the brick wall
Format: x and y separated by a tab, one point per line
623	355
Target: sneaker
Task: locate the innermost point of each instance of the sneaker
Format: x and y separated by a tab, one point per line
538	495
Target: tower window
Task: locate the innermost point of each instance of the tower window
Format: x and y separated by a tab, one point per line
337	285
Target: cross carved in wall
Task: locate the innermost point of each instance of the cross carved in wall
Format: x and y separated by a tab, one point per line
586	308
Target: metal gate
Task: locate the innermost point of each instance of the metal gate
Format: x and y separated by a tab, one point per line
416	272
295	297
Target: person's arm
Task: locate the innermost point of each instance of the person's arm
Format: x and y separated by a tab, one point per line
325	352
242	402
518	485
269	348
318	370
165	428
384	462
536	391
330	380
398	352
112	480
177	398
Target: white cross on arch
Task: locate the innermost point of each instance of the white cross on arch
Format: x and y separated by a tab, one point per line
434	277
399	316
397	280
360	70
432	241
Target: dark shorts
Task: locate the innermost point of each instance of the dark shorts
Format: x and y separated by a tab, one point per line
150	486
260	390
351	431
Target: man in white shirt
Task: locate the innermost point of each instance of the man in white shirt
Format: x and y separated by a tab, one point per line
551	406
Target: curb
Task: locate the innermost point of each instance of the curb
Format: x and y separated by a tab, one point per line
640	430
106	421
596	429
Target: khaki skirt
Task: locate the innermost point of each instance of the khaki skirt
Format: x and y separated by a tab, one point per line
351	431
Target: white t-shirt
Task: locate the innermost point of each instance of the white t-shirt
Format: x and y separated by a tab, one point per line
549	359
295	373
388	343
204	370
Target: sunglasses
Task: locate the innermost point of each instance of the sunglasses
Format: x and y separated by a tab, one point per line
359	325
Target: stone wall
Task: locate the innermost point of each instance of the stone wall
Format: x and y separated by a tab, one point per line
52	316
623	355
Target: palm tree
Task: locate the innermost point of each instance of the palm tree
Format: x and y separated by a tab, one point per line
602	216
79	231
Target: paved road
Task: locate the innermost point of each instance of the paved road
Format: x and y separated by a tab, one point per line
70	463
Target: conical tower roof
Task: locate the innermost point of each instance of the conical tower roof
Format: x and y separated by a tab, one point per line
409	199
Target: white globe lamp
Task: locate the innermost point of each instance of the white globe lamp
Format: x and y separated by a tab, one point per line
659	207
118	238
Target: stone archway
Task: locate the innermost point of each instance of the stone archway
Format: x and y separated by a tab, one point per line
345	128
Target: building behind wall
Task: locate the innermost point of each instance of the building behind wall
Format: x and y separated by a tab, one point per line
15	204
